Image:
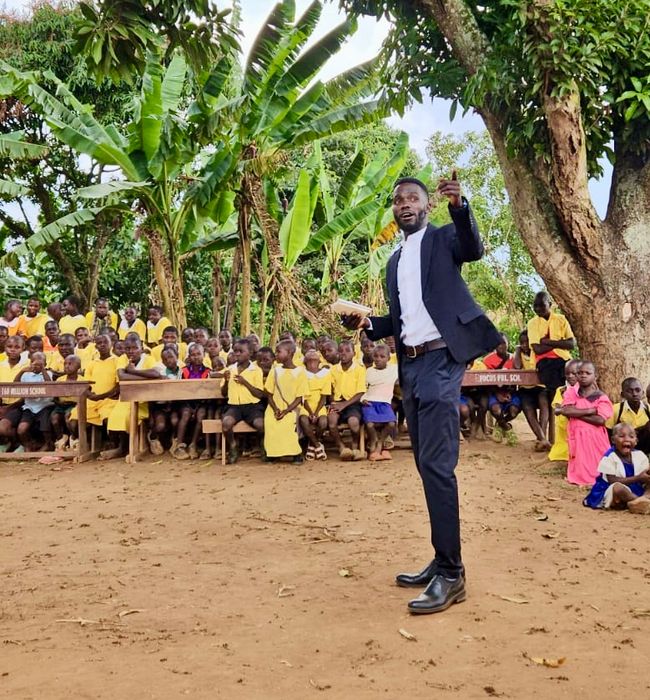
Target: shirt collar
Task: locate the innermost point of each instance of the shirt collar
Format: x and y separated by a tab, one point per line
415	237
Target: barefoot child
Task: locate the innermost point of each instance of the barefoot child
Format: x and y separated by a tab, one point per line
286	387
63	427
313	414
245	389
348	386
36	411
378	415
560	450
587	409
623	477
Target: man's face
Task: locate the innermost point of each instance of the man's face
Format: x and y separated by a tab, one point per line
33	307
410	207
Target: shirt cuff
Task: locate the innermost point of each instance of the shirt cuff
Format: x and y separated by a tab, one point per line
462	207
369	326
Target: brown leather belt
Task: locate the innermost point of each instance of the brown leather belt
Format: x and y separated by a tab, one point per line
413	351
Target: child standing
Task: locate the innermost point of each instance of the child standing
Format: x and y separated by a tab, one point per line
164	414
560	450
35	411
378	415
192	410
286	387
61	420
245	389
587	409
313	414
348	386
623	477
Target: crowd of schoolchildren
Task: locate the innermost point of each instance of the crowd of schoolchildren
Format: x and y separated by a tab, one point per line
291	396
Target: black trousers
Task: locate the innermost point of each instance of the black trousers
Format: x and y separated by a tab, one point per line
430	396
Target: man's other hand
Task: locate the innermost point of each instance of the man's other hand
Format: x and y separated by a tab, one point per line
354	322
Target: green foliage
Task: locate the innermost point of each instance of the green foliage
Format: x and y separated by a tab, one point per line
595	48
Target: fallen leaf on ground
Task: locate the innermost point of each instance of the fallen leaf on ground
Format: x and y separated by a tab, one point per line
640	613
286	663
285	591
514	599
131	611
542	517
407	635
319	686
550	535
535	630
549	663
346	573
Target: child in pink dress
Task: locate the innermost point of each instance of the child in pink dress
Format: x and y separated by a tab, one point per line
587	409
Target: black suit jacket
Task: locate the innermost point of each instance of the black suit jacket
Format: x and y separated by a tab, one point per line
464	327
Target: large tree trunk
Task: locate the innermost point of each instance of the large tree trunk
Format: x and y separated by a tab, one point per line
231	298
594	269
245	247
217	291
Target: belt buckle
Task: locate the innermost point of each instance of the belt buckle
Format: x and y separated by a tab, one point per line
408	353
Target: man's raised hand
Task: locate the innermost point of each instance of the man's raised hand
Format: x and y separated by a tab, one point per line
451	189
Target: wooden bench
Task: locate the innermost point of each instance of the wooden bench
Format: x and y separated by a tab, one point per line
41	390
136	392
500	377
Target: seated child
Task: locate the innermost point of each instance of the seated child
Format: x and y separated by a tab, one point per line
63	427
170	337
156	324
466	413
85	349
56	358
187	336
560	449
51	339
244	388
587	409
139	368
330	353
348	386
286	387
378	415
633	410
195	411
313	414
368	352
35	411
623	479
34	344
11	410
504	405
118	348
164	414
500	358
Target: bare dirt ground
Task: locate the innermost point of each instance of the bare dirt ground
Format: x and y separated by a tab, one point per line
168	580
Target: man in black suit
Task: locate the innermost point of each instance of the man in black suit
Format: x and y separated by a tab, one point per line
438	329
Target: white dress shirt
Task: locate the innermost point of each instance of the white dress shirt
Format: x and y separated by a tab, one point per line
417	325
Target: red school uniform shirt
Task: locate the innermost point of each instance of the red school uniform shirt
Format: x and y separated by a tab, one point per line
493	361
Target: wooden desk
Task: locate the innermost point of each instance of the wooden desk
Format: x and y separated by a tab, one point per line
41	390
136	391
500	377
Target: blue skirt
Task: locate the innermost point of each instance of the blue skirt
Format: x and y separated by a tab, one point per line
378	412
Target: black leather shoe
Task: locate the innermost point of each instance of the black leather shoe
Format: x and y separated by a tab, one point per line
422	578
439	595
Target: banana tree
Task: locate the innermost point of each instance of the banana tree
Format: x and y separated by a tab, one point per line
171	176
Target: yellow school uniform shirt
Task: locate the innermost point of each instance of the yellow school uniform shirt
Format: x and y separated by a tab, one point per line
69	324
223	354
285	385
112	320
560	450
3	357
528	363
624	414
556	328
347	383
119	419
154	333
86	355
182	353
54	361
33	325
66	399
103	374
319	384
137	326
238	394
9	373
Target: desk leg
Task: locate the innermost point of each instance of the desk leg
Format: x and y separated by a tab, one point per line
133	433
82	447
223	448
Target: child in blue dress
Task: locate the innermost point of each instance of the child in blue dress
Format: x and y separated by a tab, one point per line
624	479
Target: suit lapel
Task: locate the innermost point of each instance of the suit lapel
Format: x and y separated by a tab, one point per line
426	253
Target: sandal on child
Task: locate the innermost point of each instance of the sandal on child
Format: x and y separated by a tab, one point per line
181	452
193	452
205	454
358	455
320	451
375	456
310	454
61	443
155	446
389	443
346	454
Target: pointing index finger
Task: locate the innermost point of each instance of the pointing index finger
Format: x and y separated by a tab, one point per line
454	174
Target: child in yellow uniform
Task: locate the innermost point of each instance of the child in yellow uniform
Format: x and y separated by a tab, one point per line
56	358
156	324
140	367
313	413
560	450
10	410
634	411
4	334
85	350
63	427
225	340
131	324
170	337
72	318
348	386
245	388
101	318
11	318
534	401
286	386
32	321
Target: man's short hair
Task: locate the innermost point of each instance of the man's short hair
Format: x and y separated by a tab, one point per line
412	181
